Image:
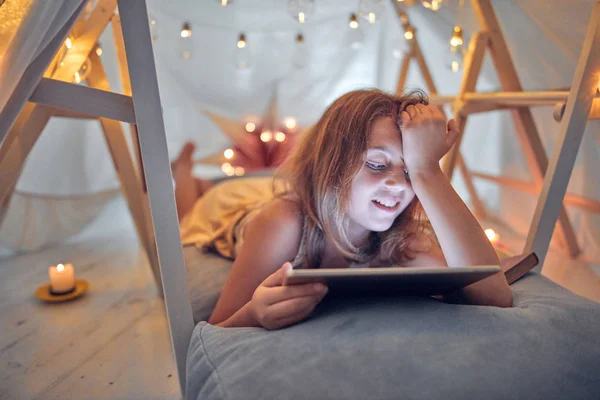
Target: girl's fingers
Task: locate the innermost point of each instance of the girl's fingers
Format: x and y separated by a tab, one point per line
412	111
292	319
405	117
277	277
423	110
453	132
282	293
292	307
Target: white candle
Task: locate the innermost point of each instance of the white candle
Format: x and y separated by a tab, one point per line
62	278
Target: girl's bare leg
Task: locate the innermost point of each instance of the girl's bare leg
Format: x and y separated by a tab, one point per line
185	185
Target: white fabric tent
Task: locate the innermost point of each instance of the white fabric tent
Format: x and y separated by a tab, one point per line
71	162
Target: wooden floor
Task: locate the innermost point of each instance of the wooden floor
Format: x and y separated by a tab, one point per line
113	343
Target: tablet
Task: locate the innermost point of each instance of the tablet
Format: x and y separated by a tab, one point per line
392	280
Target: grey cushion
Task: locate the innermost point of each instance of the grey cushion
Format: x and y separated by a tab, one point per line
546	347
206	275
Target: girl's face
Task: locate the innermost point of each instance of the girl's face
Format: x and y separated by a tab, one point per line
380	190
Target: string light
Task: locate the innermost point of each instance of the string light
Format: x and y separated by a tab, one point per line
186	30
409	33
266	136
280	136
83	72
290	123
225	3
355	37
457	36
369	9
69	42
228	153
353	21
301	10
250	127
241	41
492	235
228	169
98	49
433	5
240	171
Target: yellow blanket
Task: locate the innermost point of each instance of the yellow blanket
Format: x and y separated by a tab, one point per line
218	217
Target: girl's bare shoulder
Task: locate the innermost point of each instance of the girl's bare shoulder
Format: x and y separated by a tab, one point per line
279	221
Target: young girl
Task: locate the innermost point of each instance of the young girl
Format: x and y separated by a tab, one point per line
357	185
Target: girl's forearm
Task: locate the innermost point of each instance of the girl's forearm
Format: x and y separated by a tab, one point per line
461	238
240	319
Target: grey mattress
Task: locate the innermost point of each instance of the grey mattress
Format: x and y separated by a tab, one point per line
546	347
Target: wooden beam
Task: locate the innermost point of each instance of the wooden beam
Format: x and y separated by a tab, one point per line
82	99
473	63
157	169
126	86
403	72
527	132
581	202
31	77
13	161
131	187
60	113
579	103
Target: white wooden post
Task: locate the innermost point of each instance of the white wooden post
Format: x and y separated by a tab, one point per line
157	171
579	103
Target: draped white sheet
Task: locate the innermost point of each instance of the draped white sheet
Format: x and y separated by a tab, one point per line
544	38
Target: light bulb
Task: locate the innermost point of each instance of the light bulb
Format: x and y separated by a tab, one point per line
186	30
228	153
241	41
409	33
280	136
353	21
301	10
266	136
69	42
492	235
301	55
240	171
225	3
290	123
371	9
457	36
250	127
98	49
433	4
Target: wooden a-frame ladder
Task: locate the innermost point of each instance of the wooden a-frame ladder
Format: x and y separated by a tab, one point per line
46	90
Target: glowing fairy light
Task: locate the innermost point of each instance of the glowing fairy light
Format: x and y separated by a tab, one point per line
280	136
228	153
250	127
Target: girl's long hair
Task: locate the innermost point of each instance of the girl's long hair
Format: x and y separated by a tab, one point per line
321	170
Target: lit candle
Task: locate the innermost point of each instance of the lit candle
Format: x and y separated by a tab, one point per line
62	278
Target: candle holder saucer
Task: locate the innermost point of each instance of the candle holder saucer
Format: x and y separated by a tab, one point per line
43	292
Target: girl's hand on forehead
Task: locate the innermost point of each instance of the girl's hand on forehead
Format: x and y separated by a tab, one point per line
426	137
